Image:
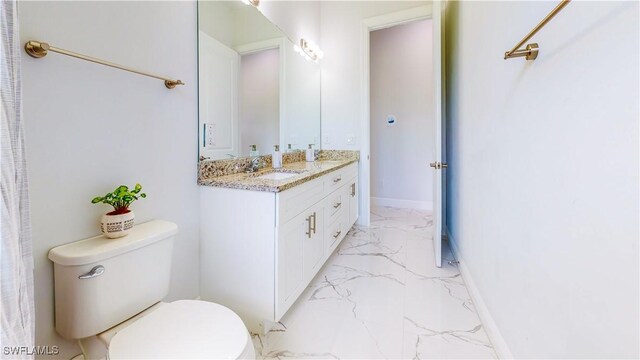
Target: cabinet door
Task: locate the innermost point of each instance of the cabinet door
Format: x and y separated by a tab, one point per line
289	271
313	239
353	201
299	255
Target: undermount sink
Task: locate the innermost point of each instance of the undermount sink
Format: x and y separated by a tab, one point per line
280	174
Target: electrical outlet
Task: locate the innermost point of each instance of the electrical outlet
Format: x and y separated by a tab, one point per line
327	140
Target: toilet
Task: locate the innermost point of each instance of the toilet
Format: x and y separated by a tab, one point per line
108	297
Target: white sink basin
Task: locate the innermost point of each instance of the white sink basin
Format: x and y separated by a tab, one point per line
277	176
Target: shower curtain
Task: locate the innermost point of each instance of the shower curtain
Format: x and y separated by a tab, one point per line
16	259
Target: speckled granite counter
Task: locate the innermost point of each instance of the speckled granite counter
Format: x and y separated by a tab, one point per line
230	174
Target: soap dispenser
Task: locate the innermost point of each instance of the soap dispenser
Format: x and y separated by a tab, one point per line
253	150
311	156
276	158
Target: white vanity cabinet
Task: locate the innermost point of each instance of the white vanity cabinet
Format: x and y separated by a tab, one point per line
260	250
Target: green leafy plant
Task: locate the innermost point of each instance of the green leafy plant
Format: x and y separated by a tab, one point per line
120	198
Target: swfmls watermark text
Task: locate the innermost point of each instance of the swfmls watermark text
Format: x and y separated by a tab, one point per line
31	350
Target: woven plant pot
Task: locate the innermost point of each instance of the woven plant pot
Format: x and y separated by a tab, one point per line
117	225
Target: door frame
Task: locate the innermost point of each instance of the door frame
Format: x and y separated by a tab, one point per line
369	25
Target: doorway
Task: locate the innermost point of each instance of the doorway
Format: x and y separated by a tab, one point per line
401	115
259	101
436	163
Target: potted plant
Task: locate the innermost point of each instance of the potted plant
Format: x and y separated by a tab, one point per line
117	223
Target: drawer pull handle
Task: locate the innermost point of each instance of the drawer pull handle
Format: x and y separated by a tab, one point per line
308	233
335	236
353	189
337	205
337	179
314	222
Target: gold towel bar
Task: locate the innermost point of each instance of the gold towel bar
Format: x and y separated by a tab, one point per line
531	51
38	49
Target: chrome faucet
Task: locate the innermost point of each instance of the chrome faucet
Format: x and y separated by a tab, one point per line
256	164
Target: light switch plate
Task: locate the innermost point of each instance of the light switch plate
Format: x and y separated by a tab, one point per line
209	135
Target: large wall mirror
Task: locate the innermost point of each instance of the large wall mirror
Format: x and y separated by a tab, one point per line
255	90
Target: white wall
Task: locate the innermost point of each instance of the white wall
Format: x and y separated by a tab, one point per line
259	100
297	19
90	128
234	23
543	173
341	41
402	85
300	123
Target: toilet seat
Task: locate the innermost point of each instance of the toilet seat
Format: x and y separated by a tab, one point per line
183	329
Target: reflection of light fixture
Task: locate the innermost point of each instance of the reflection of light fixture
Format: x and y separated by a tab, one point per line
252	2
309	50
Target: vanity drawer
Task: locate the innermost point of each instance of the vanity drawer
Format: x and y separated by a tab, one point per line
335	203
334	180
294	201
334	233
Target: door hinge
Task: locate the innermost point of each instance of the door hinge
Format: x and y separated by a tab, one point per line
438	165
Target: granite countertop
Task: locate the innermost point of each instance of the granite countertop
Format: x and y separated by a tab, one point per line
304	171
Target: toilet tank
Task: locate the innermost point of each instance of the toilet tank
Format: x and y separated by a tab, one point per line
130	274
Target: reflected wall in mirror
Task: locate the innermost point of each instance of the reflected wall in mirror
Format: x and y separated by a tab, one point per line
255	90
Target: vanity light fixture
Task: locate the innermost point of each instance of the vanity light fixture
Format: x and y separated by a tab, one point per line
309	50
252	2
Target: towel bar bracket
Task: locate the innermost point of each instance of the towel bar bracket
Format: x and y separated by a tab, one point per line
529	53
36	49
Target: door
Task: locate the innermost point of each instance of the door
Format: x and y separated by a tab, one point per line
300	252
289	253
218	98
438	165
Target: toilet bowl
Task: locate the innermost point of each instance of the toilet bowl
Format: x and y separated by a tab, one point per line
108	296
184	329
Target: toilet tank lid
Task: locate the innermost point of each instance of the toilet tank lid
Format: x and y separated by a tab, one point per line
99	248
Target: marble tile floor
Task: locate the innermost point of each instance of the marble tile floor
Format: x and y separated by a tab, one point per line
380	296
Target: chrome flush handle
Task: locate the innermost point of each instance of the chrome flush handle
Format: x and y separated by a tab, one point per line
96	271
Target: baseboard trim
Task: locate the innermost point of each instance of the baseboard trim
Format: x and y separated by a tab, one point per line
498	342
403	204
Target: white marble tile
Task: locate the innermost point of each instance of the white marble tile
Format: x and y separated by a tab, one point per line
380	296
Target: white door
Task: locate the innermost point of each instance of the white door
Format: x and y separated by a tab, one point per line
438	165
218	98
